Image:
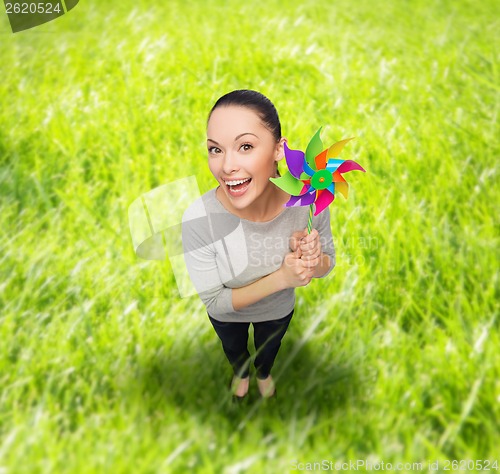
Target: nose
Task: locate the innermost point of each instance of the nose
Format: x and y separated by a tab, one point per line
230	163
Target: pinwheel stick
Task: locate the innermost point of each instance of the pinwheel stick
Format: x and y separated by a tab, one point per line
309	222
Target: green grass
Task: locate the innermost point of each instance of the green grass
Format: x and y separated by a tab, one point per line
394	357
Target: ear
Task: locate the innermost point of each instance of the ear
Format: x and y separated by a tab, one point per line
280	150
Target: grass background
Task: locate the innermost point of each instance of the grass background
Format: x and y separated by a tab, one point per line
394	357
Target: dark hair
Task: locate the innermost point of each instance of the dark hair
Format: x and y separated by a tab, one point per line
259	103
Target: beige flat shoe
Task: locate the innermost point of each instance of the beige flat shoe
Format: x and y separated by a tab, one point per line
234	384
267	388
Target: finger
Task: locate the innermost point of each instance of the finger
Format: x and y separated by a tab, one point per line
300	235
310	254
311	263
309	247
306	277
303	277
310	237
306	246
308	257
295	239
291	259
307	274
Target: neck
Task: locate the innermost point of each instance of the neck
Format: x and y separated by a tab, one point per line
264	207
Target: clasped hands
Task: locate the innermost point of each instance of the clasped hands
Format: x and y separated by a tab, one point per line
300	264
306	246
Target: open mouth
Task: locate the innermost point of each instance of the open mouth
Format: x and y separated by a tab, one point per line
237	188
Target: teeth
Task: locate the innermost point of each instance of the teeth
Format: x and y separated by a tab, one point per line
233	183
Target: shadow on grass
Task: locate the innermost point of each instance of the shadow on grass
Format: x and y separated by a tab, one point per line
194	378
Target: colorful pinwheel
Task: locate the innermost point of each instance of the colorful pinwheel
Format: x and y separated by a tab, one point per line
314	177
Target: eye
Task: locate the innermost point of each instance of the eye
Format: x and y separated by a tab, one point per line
213	150
246	146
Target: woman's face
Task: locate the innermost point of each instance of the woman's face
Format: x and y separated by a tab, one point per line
242	153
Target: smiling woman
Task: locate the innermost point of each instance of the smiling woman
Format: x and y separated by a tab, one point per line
241	282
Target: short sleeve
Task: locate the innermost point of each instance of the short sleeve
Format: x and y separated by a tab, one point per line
200	255
325	236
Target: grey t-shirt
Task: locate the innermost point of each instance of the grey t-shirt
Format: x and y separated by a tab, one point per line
223	251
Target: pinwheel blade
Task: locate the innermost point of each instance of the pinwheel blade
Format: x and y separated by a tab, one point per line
294	160
288	183
314	148
333	164
342	188
336	148
303	200
308	169
349	165
320	160
325	198
337	177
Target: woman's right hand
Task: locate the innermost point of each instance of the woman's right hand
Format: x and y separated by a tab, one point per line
294	272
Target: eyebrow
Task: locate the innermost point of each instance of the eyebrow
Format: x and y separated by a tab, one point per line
237	138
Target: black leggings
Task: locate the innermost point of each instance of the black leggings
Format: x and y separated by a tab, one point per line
267	341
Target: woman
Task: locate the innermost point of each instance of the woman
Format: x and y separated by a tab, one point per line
244	250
